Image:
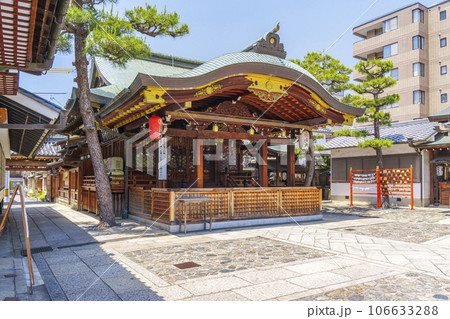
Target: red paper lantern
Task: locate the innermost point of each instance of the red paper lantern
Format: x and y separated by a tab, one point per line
155	125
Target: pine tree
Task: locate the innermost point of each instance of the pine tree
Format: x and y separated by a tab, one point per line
370	96
335	77
92	31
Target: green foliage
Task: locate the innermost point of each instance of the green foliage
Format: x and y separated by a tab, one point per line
327	70
375	143
64	44
114	37
370	97
318	136
319	148
354	133
148	21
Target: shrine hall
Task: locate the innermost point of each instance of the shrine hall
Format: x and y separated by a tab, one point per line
174	129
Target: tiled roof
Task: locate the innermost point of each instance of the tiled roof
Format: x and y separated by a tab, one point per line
418	130
442	114
439	140
49	149
123	76
241	57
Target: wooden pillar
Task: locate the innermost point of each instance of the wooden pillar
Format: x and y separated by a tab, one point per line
188	166
79	189
263	179
433	182
277	170
291	165
198	162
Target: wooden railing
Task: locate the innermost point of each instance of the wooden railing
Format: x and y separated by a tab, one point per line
88	181
240	181
227	203
89	196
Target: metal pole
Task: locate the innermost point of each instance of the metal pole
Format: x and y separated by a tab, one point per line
351	187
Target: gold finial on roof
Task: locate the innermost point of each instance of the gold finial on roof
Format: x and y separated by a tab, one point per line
276	29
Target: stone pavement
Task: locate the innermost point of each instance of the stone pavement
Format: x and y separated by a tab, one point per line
353	254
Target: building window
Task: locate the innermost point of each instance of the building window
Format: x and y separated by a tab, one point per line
390	50
443	70
418	42
444	98
419	97
418	69
390	25
392	73
389	106
417	15
443	42
443	15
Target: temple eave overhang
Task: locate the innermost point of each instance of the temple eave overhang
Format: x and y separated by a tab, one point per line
276	92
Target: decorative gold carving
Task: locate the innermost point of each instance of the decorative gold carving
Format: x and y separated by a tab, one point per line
268	88
267	96
208	90
154	95
230	108
317	106
348	119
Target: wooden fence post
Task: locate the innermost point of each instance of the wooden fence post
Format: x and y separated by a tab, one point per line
172	207
412	187
378	188
351	187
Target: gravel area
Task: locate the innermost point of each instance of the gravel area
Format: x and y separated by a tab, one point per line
221	256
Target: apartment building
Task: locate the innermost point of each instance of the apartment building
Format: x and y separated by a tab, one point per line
416	39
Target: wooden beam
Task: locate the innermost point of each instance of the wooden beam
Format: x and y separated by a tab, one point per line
25	163
208	117
31	169
313	122
291	165
32	126
23	135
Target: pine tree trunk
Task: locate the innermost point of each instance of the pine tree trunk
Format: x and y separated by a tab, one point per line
376	127
310	162
102	183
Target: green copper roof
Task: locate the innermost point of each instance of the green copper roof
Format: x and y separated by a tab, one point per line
241	57
159	64
109	91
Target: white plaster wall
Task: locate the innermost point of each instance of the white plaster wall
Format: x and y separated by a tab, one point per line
339	191
358	152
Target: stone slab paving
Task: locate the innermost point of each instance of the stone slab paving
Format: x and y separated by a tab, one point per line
413	256
404	287
78	268
283	262
416	233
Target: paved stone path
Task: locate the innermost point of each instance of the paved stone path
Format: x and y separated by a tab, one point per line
312	261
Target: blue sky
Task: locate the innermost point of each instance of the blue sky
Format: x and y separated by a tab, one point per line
219	27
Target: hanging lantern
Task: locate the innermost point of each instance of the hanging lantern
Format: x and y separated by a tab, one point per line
215	128
155	126
251	131
283	133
